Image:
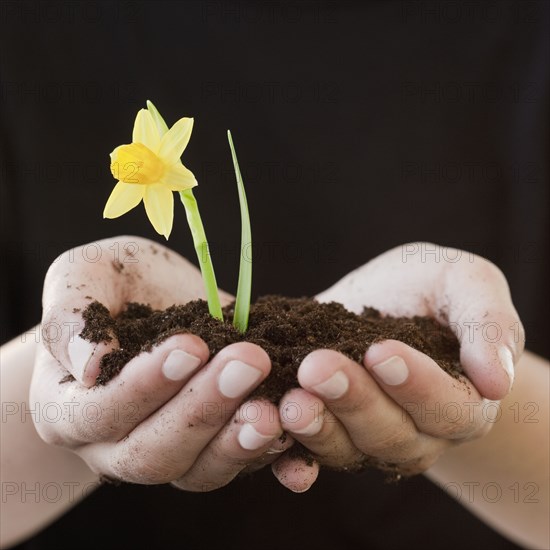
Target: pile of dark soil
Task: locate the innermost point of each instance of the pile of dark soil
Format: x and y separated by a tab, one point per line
286	328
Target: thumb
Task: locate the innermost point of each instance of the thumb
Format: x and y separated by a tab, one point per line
70	287
484	319
63	336
87	348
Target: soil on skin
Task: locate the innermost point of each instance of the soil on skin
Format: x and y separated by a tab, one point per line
288	329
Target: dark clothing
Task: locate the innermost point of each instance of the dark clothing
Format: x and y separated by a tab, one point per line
359	127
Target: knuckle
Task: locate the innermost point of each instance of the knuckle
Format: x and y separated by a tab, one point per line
146	468
462	426
232	456
209	414
394	445
453	430
480	431
354	402
349	407
449	419
226	455
89	431
49	434
58	434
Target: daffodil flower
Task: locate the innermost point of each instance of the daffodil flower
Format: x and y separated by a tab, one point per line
150	169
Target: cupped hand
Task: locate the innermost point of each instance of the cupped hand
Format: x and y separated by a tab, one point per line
172	414
400	409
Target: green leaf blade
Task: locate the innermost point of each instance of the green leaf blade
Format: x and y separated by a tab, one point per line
244	287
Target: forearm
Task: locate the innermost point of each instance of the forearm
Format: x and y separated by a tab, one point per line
503	477
39	481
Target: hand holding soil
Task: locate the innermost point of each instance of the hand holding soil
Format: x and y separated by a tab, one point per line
175	415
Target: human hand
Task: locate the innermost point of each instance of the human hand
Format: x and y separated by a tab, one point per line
171	415
400	408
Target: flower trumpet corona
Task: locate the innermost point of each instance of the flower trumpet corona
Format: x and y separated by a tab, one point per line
150	169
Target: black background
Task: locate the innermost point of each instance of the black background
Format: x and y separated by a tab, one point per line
359	127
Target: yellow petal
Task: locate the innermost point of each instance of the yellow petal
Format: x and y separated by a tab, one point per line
178	178
124	197
146	131
159	205
162	127
174	142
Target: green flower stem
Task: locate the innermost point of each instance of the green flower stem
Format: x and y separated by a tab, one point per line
203	253
244	287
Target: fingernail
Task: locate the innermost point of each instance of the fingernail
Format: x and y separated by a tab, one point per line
333	388
179	364
272	451
80	352
313	428
237	378
250	439
392	371
280	445
507	362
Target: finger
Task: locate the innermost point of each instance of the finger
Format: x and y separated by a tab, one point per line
113	272
440	405
459	289
487	325
110	412
306	418
376	424
165	446
252	432
294	473
277	447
